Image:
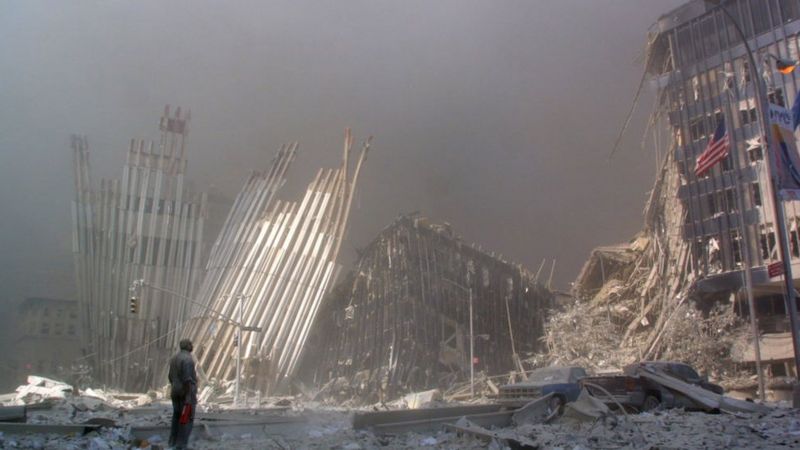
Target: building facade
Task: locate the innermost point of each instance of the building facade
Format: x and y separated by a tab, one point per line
699	65
48	338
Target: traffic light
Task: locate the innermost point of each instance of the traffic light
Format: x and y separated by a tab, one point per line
134	305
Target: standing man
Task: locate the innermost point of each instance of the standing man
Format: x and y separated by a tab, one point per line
183	392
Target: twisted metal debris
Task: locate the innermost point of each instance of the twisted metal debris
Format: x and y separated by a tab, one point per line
145	226
269	268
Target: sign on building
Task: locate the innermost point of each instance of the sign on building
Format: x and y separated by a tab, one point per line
787	161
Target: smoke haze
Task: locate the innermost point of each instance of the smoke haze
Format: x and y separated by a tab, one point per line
497	117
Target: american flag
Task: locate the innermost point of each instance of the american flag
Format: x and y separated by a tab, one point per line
716	150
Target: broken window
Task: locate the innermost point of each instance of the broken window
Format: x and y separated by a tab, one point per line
755	154
776	97
714	263
767	244
755	190
778	369
736	247
697	128
730	199
743	68
727	163
748	115
681	168
712	204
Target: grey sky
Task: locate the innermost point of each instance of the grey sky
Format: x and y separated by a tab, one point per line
495	116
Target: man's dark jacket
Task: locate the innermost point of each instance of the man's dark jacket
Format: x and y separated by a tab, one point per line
182	377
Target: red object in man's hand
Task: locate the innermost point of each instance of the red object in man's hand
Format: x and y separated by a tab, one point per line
186	414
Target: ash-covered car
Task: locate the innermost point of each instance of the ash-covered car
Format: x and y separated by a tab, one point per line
631	390
678	370
562	381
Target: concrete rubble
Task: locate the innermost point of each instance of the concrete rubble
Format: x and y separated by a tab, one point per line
59	416
638	301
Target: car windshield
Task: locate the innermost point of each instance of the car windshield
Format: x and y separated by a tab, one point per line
685	372
550	375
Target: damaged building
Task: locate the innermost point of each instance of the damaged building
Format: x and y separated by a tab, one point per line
700	67
679	289
145	226
418	296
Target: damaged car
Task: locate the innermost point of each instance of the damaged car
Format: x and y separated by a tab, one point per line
562	381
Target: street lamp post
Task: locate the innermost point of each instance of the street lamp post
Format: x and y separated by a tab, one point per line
780	219
471	339
236	394
241	327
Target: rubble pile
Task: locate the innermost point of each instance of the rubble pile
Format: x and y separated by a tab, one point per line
102	420
636	302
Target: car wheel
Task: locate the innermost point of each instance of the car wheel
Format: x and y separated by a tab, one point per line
651	402
555	404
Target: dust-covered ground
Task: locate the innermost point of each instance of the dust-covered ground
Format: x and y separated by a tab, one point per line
330	428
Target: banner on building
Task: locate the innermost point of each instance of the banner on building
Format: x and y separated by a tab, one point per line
787	161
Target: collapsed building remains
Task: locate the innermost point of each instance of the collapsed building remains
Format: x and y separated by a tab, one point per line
695	285
403	319
268	271
145	226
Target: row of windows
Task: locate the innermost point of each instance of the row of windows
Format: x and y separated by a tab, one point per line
73	314
754	155
58	329
725	201
754	16
709	250
703	126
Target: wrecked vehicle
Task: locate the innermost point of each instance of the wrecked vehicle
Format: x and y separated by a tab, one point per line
630	390
679	370
561	381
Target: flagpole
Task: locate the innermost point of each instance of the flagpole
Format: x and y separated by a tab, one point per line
780	219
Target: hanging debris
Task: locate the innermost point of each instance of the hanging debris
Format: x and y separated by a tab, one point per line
268	271
145	226
401	322
637	301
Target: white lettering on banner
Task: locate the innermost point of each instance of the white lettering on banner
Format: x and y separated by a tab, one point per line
787	160
780	116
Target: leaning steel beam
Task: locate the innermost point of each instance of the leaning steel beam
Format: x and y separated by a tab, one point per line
275	261
142	226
